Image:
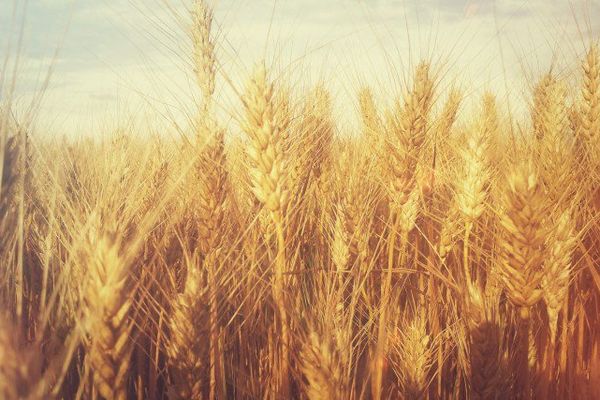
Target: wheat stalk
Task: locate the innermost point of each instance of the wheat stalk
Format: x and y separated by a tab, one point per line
522	251
406	133
107	309
270	188
449	113
187	335
553	131
371	121
212	176
12	192
319	129
322	367
17	370
412	355
472	188
561	244
340	244
484	348
406	136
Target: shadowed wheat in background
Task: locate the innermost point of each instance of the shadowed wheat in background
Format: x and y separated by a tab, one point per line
448	250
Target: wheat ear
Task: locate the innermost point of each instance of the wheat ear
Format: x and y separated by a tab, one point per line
204	50
472	188
109	325
412	350
590	107
552	130
449	113
187	335
371	121
321	364
522	242
557	266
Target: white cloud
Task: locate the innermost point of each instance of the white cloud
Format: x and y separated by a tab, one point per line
117	48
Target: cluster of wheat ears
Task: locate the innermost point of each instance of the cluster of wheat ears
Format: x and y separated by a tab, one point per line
442	252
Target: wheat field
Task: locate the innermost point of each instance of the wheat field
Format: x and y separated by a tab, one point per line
445	250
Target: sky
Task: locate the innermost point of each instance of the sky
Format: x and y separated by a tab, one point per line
110	60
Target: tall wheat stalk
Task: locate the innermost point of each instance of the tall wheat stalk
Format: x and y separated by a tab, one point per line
522	250
406	135
472	187
267	166
108	315
212	176
188	335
